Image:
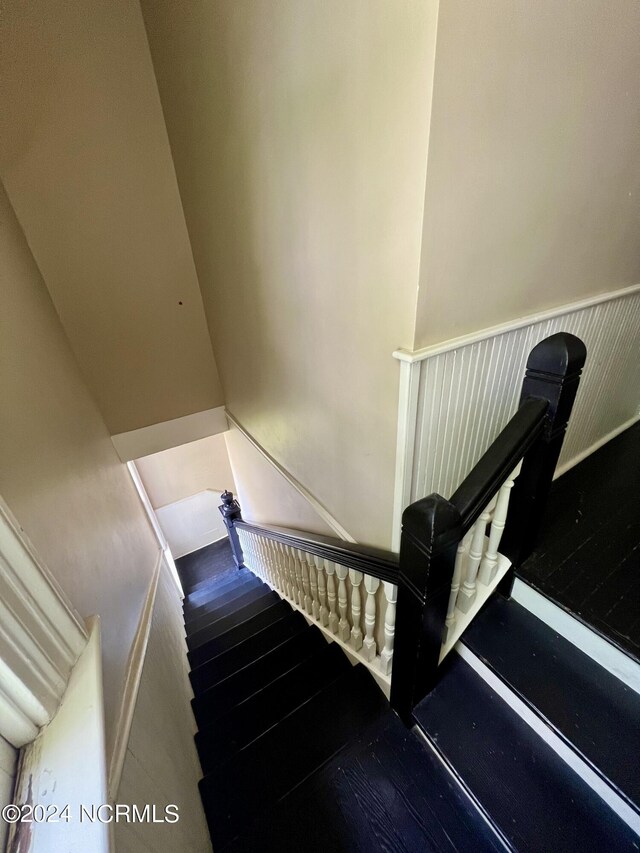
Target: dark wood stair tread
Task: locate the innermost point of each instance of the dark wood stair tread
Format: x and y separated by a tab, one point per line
386	791
209	590
235	636
218	602
267	707
271	766
223	665
218	627
531	795
222	695
586	705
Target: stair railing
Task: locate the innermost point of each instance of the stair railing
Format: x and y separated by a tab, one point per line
454	553
349	591
401	616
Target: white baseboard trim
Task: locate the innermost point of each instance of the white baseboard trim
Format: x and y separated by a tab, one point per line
576	632
132	684
322	511
562	469
162	436
597	784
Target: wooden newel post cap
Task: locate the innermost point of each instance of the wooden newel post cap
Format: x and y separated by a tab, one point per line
561	354
230	507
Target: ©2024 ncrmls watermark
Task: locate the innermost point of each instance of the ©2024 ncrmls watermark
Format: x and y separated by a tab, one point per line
103	813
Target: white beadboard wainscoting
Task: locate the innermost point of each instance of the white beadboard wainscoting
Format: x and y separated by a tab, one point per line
455	397
160	761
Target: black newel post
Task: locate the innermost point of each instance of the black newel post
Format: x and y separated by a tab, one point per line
553	374
230	511
431	531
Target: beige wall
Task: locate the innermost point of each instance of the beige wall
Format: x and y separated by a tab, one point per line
299	131
264	494
59	472
533	178
86	162
182	471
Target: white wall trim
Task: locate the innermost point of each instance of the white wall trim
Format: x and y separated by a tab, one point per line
597	784
580	635
41	636
412	356
162	436
322	511
66	764
407	424
132	684
155	524
457	396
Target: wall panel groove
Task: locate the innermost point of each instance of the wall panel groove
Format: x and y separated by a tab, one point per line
467	392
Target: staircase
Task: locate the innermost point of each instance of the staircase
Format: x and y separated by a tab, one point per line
498	734
301	751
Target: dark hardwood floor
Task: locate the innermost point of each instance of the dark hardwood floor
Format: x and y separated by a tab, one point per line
588	556
212	561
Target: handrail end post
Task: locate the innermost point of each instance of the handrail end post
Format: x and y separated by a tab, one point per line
431	531
553	374
231	512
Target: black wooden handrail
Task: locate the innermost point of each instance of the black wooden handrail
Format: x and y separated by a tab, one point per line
363	558
478	488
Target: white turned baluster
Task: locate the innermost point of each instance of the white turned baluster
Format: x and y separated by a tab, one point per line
455	586
291	572
266	553
489	563
330	569
313	580
344	629
355	640
386	655
323	613
369	645
275	562
297	562
305	581
467	592
259	557
283	560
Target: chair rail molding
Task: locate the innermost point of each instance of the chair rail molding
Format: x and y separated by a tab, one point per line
41	637
457	395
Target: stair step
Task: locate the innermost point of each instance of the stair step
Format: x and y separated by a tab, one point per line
223	665
588	707
213	588
219	579
237	791
386	791
217	742
220	626
223	605
530	794
239	633
223	694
